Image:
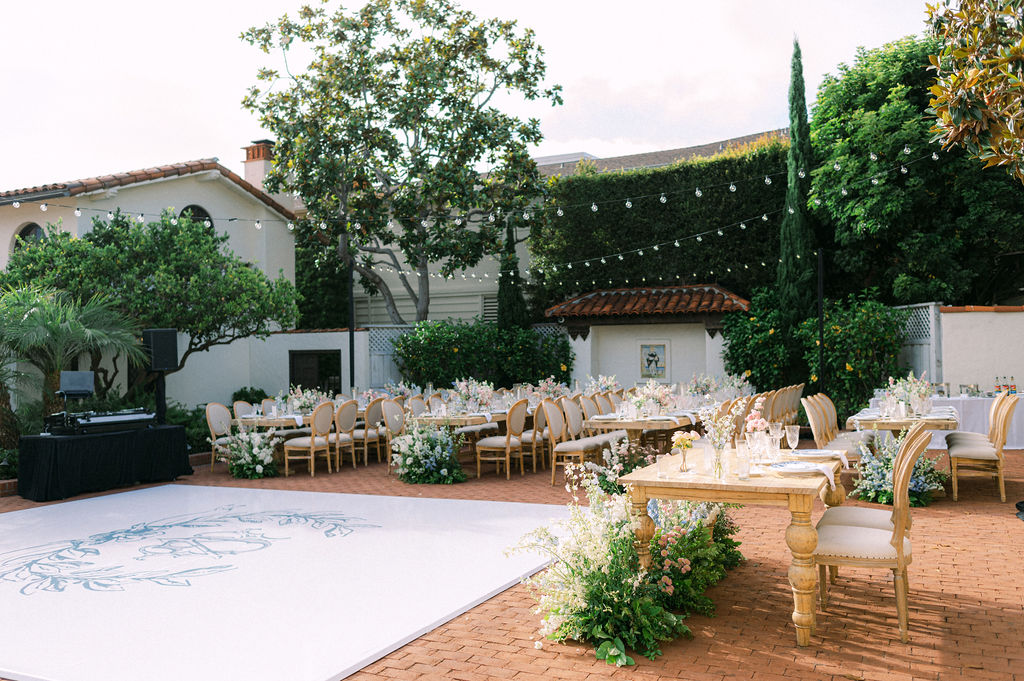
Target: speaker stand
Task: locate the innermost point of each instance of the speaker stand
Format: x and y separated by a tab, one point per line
161	399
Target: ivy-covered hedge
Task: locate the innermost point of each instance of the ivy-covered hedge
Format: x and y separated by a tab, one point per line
582	233
442	352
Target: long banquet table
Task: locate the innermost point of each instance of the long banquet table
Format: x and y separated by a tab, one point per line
974	418
795	493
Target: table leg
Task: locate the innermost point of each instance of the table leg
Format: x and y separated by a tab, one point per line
645	526
802	538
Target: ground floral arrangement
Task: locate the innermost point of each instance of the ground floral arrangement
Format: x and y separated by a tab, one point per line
875	481
251	454
427	455
595	590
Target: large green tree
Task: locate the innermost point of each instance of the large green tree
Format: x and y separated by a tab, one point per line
172	273
978	94
385	132
919	229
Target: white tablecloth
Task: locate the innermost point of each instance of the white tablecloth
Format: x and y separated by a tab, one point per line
974	417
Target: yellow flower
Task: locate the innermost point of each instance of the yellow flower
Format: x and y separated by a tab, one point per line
771	331
848	367
455	349
814	378
563	367
747	373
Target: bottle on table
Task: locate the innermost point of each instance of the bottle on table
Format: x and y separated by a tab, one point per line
999	386
1013	386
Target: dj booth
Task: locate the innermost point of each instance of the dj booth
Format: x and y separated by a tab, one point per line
100	457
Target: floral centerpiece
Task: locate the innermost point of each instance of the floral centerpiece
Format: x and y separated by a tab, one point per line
427	455
875	481
719	429
755	421
251	454
910	389
473	393
370	395
701	385
653	393
550	389
304	400
601	384
593	590
402	389
733	386
617	459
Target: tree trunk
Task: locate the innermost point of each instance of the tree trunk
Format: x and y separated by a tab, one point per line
8	423
52	402
423	299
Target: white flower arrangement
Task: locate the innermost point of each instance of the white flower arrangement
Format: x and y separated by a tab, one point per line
471	390
654	393
304	400
428	455
719	428
875	481
601	384
251	454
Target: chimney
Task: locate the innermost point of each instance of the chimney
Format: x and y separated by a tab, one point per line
258	156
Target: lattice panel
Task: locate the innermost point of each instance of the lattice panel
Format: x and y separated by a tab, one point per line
549	330
380	338
919	325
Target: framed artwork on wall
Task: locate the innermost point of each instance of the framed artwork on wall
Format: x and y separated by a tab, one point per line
653	356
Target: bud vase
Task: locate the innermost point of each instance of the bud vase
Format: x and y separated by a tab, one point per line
718	463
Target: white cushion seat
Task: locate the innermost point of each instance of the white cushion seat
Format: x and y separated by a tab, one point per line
344	438
847	446
847	541
586	444
973	451
477	429
858	516
966	437
366	433
527	436
222	441
299	442
498	442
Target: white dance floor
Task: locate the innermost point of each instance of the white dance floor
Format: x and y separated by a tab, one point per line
217	583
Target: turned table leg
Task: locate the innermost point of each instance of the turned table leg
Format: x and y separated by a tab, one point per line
802	538
645	526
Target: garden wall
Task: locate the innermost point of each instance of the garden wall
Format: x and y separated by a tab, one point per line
982	342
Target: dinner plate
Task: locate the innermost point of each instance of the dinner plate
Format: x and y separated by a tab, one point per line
813	454
604	417
795	468
660	418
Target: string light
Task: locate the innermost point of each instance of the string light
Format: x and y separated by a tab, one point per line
174	221
874	156
526	215
259	225
836	166
640	252
78	212
906	149
560	212
663	198
593	208
655	246
676	243
767	180
700	238
629	204
620	257
141	218
743	225
110	215
764	218
291	226
43	207
801	174
903	169
935	156
844	192
874	180
721	233
490	217
698	193
732	187
458	221
791	211
16	204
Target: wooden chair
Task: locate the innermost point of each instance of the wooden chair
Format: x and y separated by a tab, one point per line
869	547
218	420
308	446
344	425
564	449
604	403
615	397
394	423
417	405
498	448
823	426
267	405
984	457
965	436
242	408
435	402
371	432
536	437
589	407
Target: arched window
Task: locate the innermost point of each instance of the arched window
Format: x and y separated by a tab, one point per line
29	234
198	213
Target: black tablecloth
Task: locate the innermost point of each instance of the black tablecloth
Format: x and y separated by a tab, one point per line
60	466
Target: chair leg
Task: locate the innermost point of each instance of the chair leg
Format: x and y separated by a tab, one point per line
952	470
900	583
478	465
508	465
822	586
1002	485
554	464
286	463
312	464
833	573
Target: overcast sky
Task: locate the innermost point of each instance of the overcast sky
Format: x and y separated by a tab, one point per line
114	85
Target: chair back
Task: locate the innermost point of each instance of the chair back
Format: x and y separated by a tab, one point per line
769	406
914	444
416	405
516	419
589	406
400	399
323	417
604	403
539	422
345	416
267	406
556	421
615	398
816	417
394	416
242	408
993	415
218	419
374	413
831	421
435	402
573	417
1005	418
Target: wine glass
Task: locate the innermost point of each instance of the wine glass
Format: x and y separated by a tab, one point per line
775	429
792	437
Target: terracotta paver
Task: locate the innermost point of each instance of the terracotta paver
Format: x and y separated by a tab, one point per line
966	600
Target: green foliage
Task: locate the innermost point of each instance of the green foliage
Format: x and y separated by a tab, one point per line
443	352
173	273
795	279
944	230
250	394
512	309
754	346
979	80
8	464
321	282
428	455
582	233
862	340
382	133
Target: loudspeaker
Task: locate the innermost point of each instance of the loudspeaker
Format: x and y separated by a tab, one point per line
162	347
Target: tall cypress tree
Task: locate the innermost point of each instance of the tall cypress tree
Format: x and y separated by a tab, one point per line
795	276
512	309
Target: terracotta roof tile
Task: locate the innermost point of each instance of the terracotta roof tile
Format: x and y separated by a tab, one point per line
91	184
650	301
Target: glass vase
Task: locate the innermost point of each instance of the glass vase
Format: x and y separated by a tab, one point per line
718	463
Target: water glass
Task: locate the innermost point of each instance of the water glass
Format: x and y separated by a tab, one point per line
742	463
793	436
776	442
662	462
775	428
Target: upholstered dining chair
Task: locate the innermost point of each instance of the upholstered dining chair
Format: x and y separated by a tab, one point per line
536	438
344	425
267	405
873	548
983	457
589	407
501	448
218	420
242	408
417	405
308	446
565	449
394	424
615	397
965	436
604	403
371	433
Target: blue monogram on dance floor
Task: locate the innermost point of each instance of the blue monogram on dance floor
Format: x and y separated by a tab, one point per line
210	537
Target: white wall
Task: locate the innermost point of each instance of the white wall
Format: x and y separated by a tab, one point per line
615	350
978	346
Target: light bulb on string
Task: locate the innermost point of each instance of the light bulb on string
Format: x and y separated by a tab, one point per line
174	221
110	215
640	252
526	215
762	264
698	193
16	204
801	174
629	204
817	201
655	246
700	238
663	198
676	243
423	223
791	211
764	218
906	149
323	226
291	226
728	269
603	261
844	192
43	207
732	187
935	156
78	212
874	156
458	221
593	208
620	257
559	212
587	263
767	180
141	217
797	256
746	267
570	266
721	233
743	225
874	180
836	166
357	226
490	218
258	225
903	169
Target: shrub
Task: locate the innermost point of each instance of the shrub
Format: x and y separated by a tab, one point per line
194	420
443	352
250	394
755	345
8	464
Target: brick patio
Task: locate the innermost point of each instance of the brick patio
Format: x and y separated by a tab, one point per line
966	600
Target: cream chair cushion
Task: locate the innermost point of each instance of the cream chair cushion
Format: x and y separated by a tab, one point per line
966	437
528	436
302	442
584	445
984	452
477	429
498	442
368	433
877	518
339	437
847	541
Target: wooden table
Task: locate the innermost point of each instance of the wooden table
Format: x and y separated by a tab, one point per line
270	421
459	420
797	493
899	424
635	427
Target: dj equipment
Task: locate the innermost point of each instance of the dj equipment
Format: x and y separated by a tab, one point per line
162	346
89	422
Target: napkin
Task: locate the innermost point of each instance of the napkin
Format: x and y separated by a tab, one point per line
298	419
827	470
842	457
